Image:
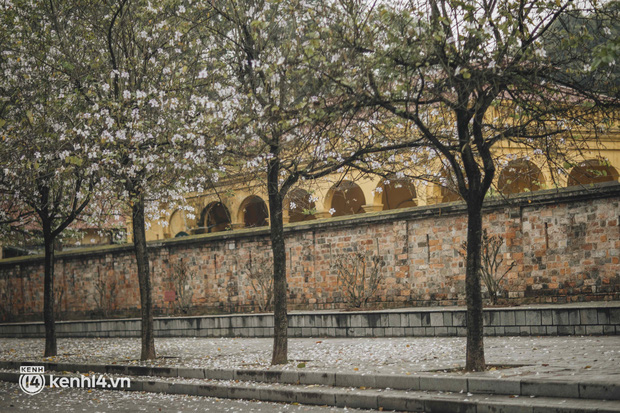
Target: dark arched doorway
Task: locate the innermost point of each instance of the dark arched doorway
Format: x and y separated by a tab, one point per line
215	217
254	212
347	199
300	205
519	176
593	171
397	193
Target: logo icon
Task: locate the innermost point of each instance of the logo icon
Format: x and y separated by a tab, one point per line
31	380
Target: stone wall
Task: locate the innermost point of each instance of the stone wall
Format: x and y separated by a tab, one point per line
566	246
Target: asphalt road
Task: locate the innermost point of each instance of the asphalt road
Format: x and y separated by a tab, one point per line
12	399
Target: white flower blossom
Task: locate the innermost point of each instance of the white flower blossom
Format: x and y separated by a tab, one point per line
540	52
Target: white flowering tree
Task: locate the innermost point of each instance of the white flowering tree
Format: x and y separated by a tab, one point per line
272	105
146	117
139	65
47	176
468	77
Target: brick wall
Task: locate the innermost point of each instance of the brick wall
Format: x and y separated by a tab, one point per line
566	246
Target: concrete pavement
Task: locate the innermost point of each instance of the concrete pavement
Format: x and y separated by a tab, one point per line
530	374
595	357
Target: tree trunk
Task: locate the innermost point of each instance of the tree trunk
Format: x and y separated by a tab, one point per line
280	331
475	345
144	279
48	293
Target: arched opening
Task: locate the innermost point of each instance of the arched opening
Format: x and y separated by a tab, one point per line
448	195
299	204
177	222
519	176
445	189
397	193
593	171
215	217
254	212
347	199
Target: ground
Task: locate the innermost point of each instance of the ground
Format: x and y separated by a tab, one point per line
554	357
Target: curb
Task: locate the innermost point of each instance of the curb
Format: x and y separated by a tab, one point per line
575	389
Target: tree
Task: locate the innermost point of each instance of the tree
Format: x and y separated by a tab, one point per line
148	123
47	177
280	123
465	77
139	66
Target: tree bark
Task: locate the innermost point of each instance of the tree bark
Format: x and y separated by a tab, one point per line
475	329
280	287
144	279
48	293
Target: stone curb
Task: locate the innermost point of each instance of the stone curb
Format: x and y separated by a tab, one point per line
365	399
578	388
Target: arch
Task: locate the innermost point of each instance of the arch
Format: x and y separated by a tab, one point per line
397	193
177	222
215	217
298	201
448	195
253	212
520	175
592	171
347	198
445	187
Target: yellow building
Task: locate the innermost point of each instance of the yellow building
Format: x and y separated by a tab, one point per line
235	207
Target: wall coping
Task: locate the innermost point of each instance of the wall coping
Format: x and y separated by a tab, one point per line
523	200
438	309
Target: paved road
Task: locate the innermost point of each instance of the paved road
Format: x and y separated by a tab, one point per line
12	399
